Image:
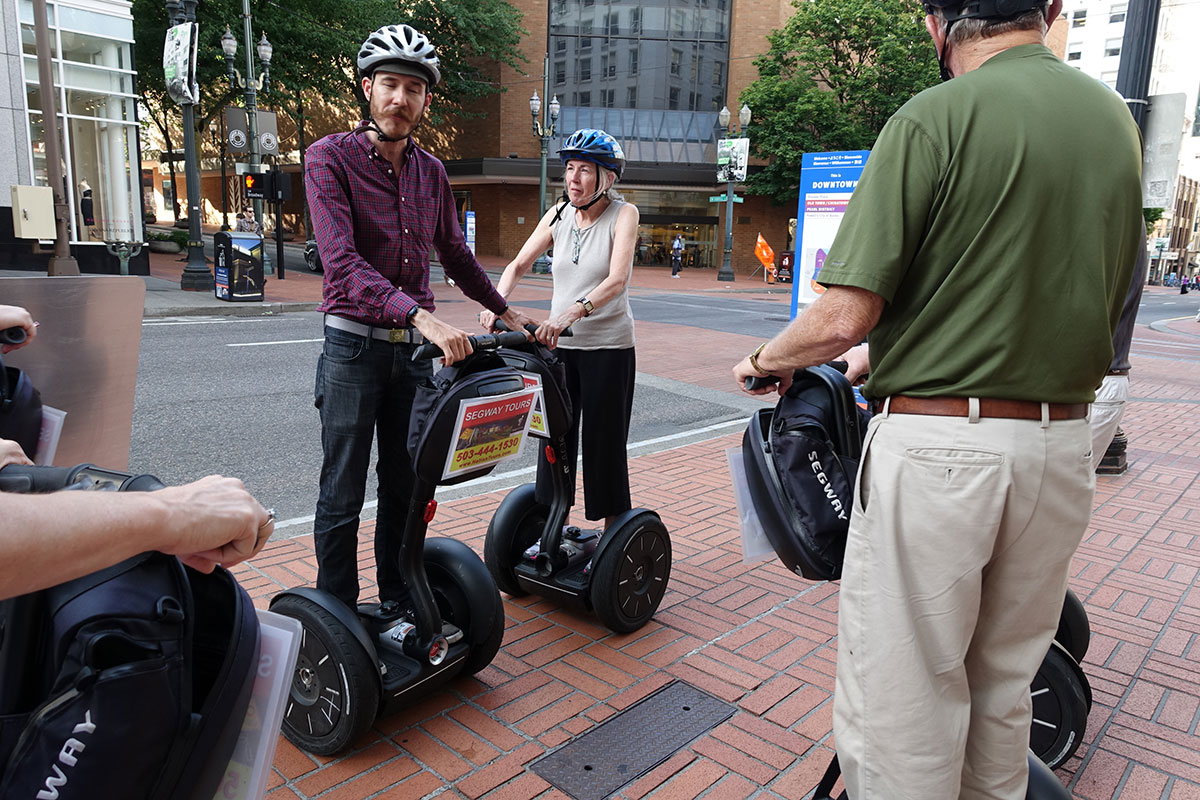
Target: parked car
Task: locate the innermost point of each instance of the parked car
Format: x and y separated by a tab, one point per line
312	257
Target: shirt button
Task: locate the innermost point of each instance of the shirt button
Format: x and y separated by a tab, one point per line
406	261
406	230
389	172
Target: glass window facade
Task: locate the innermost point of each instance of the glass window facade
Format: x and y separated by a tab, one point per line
652	73
93	76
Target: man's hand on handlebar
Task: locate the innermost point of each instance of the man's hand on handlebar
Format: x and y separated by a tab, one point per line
454	343
16	317
214	521
11	453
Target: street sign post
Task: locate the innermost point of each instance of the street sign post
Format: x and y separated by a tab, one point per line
721	198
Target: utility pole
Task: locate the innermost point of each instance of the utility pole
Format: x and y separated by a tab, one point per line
1137	57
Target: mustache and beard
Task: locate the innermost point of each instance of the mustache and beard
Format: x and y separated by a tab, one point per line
397	124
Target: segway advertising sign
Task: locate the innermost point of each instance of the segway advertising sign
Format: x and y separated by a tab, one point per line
826	182
490	430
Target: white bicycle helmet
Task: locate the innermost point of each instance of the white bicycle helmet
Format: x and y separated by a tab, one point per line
401	49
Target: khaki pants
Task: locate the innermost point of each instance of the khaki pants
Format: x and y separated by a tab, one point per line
956	568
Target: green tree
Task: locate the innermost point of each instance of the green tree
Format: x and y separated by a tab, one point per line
315	46
830	79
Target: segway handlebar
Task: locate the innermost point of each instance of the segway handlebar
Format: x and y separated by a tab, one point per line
13	335
29	479
483	341
529	326
755	382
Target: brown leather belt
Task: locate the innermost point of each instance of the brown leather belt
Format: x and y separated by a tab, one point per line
988	407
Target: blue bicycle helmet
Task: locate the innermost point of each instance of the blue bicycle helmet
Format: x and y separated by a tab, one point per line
596	146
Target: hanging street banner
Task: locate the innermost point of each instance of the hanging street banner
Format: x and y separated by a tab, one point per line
732	157
490	430
179	63
237	133
826	182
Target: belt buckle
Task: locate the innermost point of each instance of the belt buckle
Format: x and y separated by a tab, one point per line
397	335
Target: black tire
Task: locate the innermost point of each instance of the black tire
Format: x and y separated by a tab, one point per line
312	256
334	695
630	575
516	525
1060	708
1074	631
467	598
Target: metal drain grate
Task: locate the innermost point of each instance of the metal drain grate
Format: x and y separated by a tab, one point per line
596	764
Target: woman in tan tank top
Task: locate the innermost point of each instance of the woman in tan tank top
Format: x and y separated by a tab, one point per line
593	233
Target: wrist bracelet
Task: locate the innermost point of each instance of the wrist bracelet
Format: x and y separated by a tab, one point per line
754	360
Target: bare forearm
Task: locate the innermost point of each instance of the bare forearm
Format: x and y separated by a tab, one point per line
48	539
837	321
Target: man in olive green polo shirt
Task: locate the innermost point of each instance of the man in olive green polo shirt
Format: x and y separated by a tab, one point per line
986	251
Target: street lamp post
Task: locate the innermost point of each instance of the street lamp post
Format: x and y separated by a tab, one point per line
218	140
195	277
252	86
723	118
543	130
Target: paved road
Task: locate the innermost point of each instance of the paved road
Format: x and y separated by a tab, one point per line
234	395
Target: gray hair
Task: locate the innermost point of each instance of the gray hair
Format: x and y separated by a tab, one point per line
967	29
612	194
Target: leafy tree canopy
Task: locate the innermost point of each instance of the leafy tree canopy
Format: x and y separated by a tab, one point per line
315	45
830	79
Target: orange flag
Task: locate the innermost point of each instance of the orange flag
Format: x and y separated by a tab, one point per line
765	254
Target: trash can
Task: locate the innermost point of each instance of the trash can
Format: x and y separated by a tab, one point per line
238	272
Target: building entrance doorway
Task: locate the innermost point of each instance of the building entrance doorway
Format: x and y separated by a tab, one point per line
654	245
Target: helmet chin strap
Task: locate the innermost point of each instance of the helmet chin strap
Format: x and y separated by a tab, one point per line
942	68
383	137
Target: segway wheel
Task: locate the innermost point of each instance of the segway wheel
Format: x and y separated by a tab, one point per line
1074	631
516	525
335	689
466	597
631	572
1060	708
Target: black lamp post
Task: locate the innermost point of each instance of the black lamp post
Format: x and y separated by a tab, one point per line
218	140
195	277
252	86
723	118
543	130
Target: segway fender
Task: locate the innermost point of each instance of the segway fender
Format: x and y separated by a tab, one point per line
1042	783
340	612
619	523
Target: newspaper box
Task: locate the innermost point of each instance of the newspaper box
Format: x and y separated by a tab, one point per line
238	272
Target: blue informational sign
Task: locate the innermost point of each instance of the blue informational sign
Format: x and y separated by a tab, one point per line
470	231
826	182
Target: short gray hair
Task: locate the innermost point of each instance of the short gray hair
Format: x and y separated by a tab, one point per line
965	30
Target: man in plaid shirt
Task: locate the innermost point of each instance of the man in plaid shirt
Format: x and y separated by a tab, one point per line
379	203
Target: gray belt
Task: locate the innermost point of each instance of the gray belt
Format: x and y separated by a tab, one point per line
393	335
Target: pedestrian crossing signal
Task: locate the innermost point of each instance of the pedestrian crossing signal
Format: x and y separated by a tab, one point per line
258	185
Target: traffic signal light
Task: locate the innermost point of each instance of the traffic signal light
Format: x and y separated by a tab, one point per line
258	185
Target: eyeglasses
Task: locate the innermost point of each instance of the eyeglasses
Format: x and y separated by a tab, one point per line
575	250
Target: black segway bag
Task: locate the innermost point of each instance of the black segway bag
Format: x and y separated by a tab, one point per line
436	406
130	683
801	458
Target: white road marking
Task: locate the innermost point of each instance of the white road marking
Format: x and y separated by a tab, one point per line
281	341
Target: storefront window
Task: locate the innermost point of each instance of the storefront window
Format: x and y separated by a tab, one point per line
95	101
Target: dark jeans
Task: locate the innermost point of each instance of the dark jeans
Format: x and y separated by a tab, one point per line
364	387
600	385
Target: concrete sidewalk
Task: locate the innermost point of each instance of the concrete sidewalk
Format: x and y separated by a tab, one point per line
759	638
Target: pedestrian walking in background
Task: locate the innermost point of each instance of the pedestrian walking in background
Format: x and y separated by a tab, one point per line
676	255
988	334
594	233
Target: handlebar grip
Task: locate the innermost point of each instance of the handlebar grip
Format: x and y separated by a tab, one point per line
755	382
840	366
529	326
13	335
34	479
482	341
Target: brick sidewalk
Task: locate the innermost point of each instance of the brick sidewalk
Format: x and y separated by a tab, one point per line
761	639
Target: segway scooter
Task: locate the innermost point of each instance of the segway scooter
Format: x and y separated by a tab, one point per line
358	664
804	513
620	573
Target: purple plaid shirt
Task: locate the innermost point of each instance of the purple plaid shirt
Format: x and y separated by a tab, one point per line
374	231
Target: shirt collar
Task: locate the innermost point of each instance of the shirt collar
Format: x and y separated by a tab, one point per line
368	147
